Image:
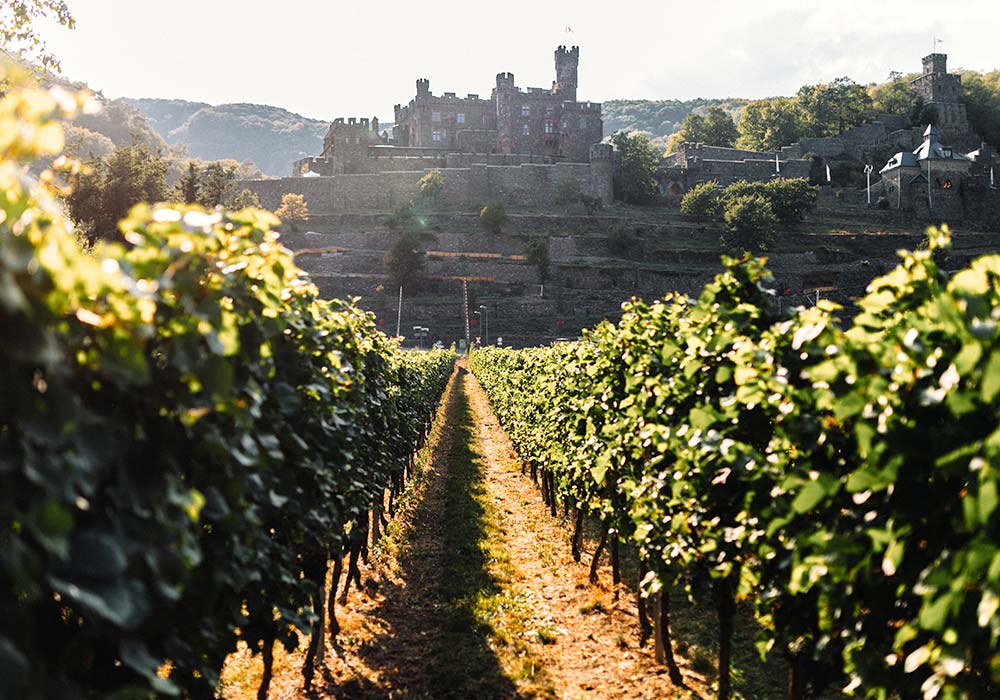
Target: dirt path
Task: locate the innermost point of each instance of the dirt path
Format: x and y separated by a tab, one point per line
473	593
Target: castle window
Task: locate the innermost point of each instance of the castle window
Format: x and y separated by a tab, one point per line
550	127
460	118
435	116
583	122
525	130
436	137
525	111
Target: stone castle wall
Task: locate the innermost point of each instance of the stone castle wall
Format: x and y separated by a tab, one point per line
528	185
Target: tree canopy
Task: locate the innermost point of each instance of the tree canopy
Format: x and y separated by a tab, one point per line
767	125
830	108
639	160
715	128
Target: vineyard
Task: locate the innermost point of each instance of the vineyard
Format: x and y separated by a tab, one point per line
843	481
199	455
188	435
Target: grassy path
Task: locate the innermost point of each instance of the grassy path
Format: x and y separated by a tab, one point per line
473	593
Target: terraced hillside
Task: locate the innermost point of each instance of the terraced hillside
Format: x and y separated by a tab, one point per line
596	263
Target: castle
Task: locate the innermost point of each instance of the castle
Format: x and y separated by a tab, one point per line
513	126
942	169
517	147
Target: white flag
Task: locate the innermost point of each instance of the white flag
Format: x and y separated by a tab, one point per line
828	178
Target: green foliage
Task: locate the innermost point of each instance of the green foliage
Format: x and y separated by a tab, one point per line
703	201
184	425
892	96
750	223
243	199
403	218
638	162
767	125
431	186
844	481
981	95
188	186
624	241
404	261
790	199
715	128
103	194
216	180
18	32
538	255
293	210
833	107
658	119
493	217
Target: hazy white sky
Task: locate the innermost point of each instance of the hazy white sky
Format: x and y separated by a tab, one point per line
327	58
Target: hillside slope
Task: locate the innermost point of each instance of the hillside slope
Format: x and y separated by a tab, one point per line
271	137
661	118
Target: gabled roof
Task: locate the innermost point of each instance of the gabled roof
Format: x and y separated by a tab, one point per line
900	160
930	149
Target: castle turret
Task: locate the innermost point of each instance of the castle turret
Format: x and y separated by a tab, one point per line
936	63
567	65
505	92
423	87
602	171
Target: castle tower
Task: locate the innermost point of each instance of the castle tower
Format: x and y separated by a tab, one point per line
423	87
602	171
504	100
567	65
938	89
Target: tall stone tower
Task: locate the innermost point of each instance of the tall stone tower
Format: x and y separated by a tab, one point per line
939	89
567	64
504	97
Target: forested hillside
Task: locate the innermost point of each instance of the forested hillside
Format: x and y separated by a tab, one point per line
271	137
661	118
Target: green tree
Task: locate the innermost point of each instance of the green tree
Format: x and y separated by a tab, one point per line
103	194
831	108
431	185
493	217
18	33
538	256
188	186
404	261
750	223
293	210
892	96
638	160
715	128
767	125
982	104
243	199
216	180
703	201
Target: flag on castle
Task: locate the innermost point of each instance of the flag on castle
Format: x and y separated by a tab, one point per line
828	178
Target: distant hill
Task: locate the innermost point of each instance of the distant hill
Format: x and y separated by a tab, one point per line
661	118
271	137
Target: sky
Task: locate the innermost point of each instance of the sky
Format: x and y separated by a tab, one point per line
328	58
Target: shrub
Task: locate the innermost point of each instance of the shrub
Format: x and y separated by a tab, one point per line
883	203
243	199
624	242
750	223
493	217
404	261
791	199
703	201
431	186
403	218
293	210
